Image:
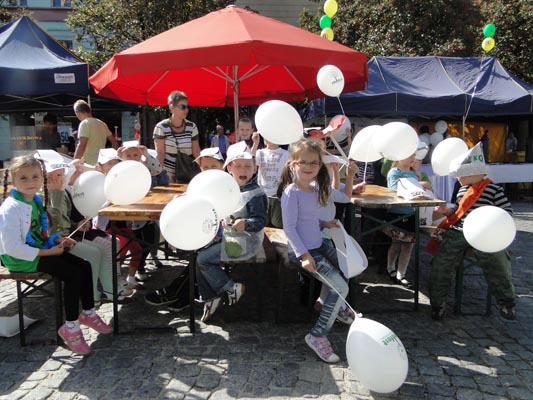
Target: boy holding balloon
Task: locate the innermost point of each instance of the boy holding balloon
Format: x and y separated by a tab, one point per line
448	243
245	229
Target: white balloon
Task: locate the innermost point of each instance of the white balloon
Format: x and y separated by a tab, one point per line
441	126
396	141
436	138
362	148
127	182
489	229
425	137
376	356
88	193
219	187
340	134
330	80
279	122
445	152
189	222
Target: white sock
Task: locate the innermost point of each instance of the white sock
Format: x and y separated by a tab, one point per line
131	280
89	312
72	326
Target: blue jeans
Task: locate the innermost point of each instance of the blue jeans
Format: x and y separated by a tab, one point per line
211	278
331	276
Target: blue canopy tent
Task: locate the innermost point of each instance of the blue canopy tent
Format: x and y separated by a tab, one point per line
433	87
36	72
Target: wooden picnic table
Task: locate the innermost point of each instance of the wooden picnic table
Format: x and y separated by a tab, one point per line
147	209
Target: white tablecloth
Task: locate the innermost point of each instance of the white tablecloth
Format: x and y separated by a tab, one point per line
499	173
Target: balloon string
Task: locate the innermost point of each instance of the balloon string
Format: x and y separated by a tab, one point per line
84	221
340	104
473	92
335	290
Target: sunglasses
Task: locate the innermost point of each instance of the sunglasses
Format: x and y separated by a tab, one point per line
182	107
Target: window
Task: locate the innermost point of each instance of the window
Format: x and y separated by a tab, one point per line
61	3
66	43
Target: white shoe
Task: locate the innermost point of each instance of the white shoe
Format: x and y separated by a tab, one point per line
235	294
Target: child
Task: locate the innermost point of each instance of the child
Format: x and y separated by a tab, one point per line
132	150
270	162
332	166
301	200
449	244
107	159
176	294
26	247
94	245
248	222
402	239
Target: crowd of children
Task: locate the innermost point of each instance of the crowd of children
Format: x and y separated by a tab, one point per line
294	189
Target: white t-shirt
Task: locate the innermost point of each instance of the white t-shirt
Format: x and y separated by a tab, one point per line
269	167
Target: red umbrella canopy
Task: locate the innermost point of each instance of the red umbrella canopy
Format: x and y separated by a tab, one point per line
225	51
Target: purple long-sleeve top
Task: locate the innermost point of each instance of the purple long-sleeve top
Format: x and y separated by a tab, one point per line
301	222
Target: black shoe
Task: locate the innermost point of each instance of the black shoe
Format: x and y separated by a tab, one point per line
437	313
405	283
179	305
392	276
508	312
171	293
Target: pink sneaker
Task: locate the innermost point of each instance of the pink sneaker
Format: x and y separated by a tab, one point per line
74	340
95	322
322	347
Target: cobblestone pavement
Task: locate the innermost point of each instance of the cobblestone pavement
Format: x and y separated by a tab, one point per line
461	357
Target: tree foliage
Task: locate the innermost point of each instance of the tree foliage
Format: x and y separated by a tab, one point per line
514	40
9	11
111	26
452	28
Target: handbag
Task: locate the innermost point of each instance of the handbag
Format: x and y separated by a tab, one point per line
184	168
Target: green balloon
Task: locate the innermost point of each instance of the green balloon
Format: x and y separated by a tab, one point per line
325	22
489	30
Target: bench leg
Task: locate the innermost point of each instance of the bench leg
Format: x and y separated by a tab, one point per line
20	307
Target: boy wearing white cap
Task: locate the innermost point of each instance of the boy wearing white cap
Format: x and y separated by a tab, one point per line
448	243
246	229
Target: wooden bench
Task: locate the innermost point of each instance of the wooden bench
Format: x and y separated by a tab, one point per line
469	263
30	283
280	244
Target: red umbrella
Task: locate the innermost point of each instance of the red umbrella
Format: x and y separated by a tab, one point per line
226	58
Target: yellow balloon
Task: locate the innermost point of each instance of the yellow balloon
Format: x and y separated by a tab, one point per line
330	8
488	44
327	33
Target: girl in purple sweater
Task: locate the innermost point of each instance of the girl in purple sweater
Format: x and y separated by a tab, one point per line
304	189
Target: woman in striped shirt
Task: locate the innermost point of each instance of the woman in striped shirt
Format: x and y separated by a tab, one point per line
176	134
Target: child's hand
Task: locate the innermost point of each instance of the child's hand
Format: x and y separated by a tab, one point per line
351	169
66	242
359	188
120	151
55	251
442	210
54	182
308	263
329	224
239	225
255	137
143	150
84	225
425	185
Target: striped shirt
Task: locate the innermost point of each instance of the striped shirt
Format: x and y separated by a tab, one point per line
493	195
175	141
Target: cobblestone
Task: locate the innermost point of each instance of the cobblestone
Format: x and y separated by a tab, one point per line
461	357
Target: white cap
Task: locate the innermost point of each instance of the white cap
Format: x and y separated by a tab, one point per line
422	150
52	160
213	152
106	155
238	151
130	143
469	163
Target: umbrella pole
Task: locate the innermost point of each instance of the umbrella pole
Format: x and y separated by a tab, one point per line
236	102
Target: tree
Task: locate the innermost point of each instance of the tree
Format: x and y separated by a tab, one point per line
514	41
452	28
110	26
9	11
403	27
